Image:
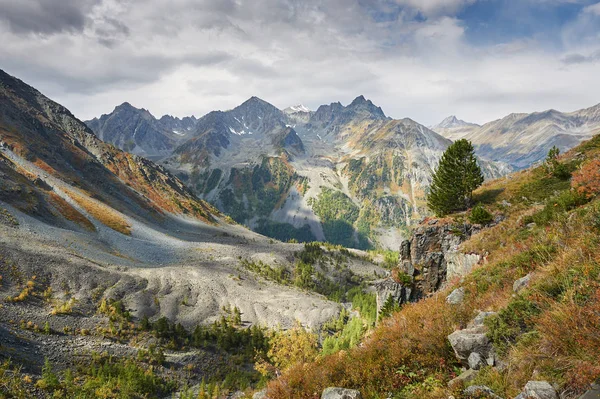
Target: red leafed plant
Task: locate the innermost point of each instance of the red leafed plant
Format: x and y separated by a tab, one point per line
586	180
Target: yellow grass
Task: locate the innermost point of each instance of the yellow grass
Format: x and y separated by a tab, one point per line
71	213
104	214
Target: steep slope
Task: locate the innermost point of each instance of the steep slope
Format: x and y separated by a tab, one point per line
453	128
523	139
138	132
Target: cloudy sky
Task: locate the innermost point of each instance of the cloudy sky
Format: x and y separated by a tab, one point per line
424	59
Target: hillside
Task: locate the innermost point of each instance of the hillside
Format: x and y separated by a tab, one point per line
535	292
524	139
102	251
348	175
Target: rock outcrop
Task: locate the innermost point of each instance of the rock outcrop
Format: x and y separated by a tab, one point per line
430	257
480	391
340	393
471	345
538	390
432	252
522	283
388	287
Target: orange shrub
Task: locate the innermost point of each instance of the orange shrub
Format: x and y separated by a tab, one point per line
587	179
410	347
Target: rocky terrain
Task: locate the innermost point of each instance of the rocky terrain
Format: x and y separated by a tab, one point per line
524	139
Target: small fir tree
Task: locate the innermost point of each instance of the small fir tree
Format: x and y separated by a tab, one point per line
454	180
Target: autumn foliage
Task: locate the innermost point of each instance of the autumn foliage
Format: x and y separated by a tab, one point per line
587	179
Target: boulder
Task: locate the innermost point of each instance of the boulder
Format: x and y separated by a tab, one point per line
456	297
340	393
464	342
522	283
473	339
262	394
476	361
538	390
593	393
480	391
480	318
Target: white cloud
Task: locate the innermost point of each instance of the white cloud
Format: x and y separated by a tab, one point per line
436	7
593	9
190	57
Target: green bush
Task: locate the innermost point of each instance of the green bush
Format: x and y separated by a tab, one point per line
511	322
480	215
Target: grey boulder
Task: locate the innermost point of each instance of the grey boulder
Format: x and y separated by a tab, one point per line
479	391
476	361
538	390
456	297
340	393
522	283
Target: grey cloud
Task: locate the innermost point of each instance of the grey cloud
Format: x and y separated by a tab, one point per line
577	58
45	16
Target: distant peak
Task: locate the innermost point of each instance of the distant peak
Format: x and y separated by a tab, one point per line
297	108
125	105
361	104
360	100
451	122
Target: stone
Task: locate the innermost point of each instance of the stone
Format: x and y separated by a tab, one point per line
407	267
464	378
388	287
473	339
405	250
456	297
479	391
340	393
522	283
538	390
262	394
465	342
479	320
459	264
593	393
476	361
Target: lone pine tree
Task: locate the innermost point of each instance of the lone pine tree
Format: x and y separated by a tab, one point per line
454	180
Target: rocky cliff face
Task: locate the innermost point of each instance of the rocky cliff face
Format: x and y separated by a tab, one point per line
429	258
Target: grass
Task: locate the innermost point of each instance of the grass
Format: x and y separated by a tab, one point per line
70	213
103	213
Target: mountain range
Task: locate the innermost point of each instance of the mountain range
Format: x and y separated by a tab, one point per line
349	174
524	139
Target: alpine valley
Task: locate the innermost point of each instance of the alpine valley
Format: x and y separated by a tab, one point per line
348	175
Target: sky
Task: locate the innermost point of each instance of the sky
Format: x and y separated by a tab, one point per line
423	59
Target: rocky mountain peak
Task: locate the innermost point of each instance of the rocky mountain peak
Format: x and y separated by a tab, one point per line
452	122
299	108
360	103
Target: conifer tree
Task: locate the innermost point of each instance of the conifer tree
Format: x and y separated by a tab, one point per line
454	180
